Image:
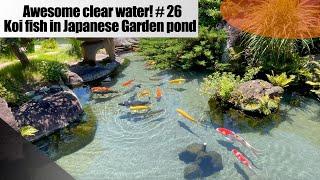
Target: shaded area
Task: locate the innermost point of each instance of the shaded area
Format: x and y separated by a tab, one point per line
20	160
241	171
186	127
71	139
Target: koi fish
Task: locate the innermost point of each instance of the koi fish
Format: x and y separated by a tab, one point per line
127	83
242	159
158	94
232	136
186	115
133	88
139	108
101	90
227	133
177	81
242	141
144	93
134	103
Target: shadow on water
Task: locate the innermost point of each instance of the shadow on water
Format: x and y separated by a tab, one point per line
238	121
70	139
186	127
241	171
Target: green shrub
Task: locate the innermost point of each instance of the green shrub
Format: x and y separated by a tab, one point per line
279	55
75	49
281	80
190	53
220	85
314	80
49	44
197	53
52	71
7	95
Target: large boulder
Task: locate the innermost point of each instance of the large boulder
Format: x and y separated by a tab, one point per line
6	115
256	95
50	109
202	163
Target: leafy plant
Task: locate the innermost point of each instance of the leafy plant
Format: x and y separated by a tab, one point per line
75	47
27	131
279	55
190	53
7	95
315	79
52	71
220	85
49	44
281	80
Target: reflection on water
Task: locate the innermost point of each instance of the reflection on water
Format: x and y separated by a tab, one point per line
149	148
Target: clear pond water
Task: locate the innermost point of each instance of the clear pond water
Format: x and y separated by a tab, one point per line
124	147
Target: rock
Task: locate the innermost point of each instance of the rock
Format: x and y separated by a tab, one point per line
56	109
192	172
191	152
73	79
6	115
203	163
93	73
209	163
254	95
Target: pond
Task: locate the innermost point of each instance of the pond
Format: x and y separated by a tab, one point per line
126	147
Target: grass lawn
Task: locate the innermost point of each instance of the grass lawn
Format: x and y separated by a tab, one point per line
16	80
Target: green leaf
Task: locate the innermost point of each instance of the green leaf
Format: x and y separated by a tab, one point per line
27	131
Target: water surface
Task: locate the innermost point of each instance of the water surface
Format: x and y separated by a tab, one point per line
147	148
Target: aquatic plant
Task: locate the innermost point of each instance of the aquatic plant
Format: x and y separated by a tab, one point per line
27	131
281	80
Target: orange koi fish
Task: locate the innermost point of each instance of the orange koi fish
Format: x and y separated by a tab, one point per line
158	93
127	83
100	89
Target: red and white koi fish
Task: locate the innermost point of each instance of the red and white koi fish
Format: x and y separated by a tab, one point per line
127	83
243	159
227	133
242	141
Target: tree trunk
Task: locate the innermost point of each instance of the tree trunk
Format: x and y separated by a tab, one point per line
19	54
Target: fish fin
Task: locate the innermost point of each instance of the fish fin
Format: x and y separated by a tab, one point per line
229	139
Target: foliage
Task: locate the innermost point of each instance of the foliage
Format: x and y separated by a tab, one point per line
52	71
209	13
18	79
190	53
220	85
281	80
27	131
265	105
7	95
49	44
315	79
75	49
279	55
